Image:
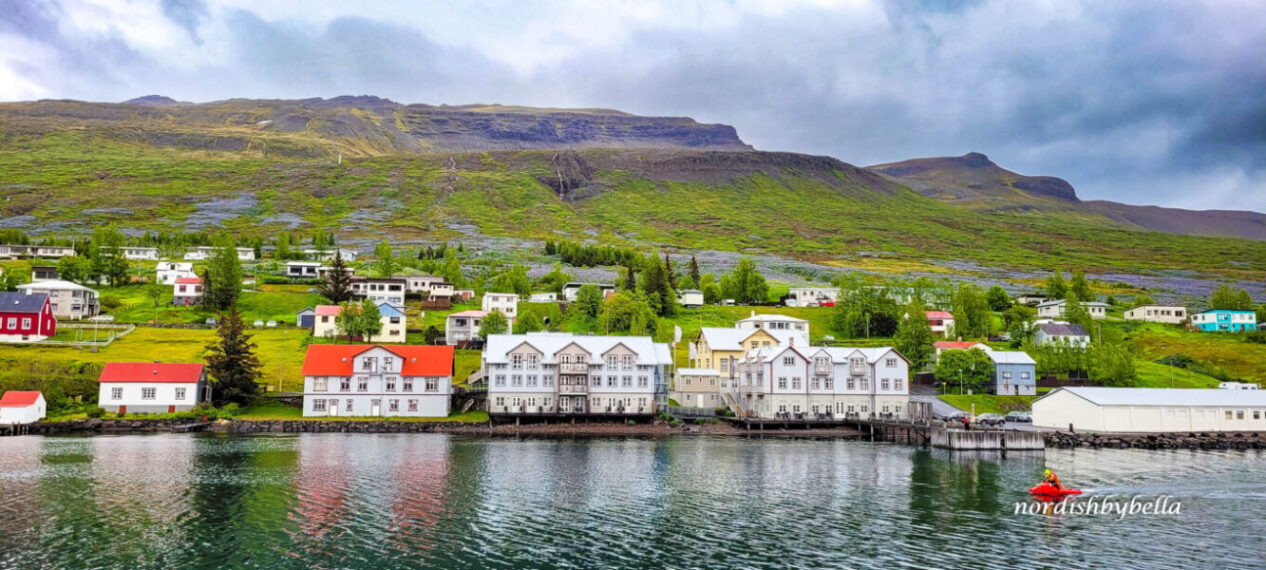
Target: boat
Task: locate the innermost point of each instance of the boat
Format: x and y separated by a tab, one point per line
1045	489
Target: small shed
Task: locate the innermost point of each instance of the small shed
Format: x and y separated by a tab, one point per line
22	408
306	318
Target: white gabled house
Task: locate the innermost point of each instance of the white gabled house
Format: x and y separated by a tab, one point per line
507	303
802	383
187	291
379	289
1055	309
69	300
152	387
17	407
169	271
377	381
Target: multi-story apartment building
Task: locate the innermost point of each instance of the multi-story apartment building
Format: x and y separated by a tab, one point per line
507	303
379	290
377	381
802	382
561	374
721	348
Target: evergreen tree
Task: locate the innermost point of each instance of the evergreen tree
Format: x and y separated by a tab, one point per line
337	287
1056	288
452	268
1080	287
630	278
385	262
668	269
226	277
694	270
282	250
656	288
232	367
208	300
971	312
914	337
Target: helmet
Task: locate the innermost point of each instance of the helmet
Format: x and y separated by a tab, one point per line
1048	472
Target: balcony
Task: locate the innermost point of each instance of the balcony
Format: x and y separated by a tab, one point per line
822	369
573	368
573	389
857	370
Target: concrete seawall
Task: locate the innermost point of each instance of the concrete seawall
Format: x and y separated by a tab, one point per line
987	440
1202	440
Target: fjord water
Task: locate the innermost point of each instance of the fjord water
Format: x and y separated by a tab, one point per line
393	501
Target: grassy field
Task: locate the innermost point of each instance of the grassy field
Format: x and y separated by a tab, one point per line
1228	352
268	303
989	403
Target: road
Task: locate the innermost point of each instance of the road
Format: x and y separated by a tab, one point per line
942	408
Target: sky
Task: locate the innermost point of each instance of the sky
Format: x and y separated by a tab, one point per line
1157	102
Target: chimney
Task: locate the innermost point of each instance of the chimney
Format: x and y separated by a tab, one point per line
753	313
791	340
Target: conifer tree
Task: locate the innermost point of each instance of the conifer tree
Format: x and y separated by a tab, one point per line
232	367
338	282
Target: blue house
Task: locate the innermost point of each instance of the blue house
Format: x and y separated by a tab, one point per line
1014	373
1225	320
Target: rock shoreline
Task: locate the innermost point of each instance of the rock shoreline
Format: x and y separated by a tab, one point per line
1193	441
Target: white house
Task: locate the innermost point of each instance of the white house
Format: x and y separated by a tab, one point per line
463	326
187	291
152	387
570	290
328	254
49	251
303	269
690	298
325	323
421	283
1151	410
773	322
812	296
507	303
566	374
550	297
70	300
22	407
943	345
699	388
1238	386
137	253
803	382
379	289
1059	332
942	322
169	271
1168	314
377	380
325	320
1054	309
203	252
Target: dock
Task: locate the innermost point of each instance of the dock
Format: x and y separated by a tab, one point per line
987	440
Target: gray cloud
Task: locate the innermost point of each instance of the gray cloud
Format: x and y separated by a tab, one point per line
1157	102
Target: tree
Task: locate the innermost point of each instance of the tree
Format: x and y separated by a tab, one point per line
451	269
349	322
74	268
1018	321
630	278
155	291
865	311
693	270
711	291
337	287
555	279
385	262
998	298
514	280
208	302
971	312
668	269
1142	299
225	277
914	337
282	250
588	300
1080	287
744	284
527	322
619	312
1077	314
232	367
656	287
970	367
115	267
1112	364
1056	288
370	320
494	323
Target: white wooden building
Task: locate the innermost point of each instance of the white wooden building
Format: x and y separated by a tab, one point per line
803	382
70	300
507	303
812	296
18	407
1151	410
169	271
1055	309
1168	314
773	322
152	387
377	381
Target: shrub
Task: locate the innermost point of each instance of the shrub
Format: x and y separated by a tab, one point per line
111	302
1256	337
96	412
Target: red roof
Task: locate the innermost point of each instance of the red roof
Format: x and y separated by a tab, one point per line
188	280
165	372
954	344
337	359
471	313
14	399
939	315
327	310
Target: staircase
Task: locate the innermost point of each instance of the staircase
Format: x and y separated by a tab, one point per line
734	404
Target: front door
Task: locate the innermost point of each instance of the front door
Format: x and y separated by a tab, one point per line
333	407
122	410
375	408
171	409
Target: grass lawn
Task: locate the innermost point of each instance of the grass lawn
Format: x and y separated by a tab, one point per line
989	403
1226	351
1153	375
268	303
465	363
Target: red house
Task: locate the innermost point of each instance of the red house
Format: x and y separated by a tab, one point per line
187	291
26	317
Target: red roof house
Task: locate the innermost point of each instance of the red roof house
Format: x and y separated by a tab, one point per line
416	360
17	407
152	387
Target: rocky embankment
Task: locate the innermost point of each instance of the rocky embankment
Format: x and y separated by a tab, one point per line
1205	440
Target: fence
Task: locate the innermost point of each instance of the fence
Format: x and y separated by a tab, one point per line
692	412
90	335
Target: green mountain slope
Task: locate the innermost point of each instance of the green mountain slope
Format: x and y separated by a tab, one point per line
66	167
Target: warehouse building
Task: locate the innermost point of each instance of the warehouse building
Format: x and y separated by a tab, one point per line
1151	410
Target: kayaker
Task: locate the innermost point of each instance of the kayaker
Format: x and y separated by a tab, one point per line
1052	479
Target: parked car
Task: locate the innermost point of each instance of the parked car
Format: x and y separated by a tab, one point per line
1025	417
990	419
955	417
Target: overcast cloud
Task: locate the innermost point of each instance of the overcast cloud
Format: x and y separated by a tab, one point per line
1140	102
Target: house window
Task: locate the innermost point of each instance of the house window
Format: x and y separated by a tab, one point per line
1239	415
531	380
613	362
755	344
391	385
408	385
349	405
626	362
180	393
432	385
596	381
116	393
642	381
896	384
393	405
725	365
500	380
611	380
1006	375
413	405
628	382
892	363
865	385
26	323
852	384
533	360
687	381
1024	375
1228	414
318	405
789	361
320	384
345	385
817	383
362	385
547	380
13	323
883	385
782	383
516	361
516	380
149	393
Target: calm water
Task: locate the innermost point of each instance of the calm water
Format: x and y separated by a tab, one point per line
391	501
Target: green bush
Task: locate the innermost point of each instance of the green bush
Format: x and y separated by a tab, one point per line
1256	337
111	302
96	412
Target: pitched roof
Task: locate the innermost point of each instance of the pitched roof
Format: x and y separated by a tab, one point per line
1010	357
766	317
1062	329
164	372
1057	302
697	372
1181	397
470	314
958	345
871	354
17	399
1225	311
723	338
188	280
386	309
938	315
17	302
54	284
497	345
330	310
338	359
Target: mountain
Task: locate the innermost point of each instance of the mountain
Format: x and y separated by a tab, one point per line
366	167
974	181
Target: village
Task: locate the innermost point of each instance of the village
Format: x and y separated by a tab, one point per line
405	336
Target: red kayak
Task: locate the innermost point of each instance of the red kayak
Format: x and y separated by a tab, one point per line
1047	490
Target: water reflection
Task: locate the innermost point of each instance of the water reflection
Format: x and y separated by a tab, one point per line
398	501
